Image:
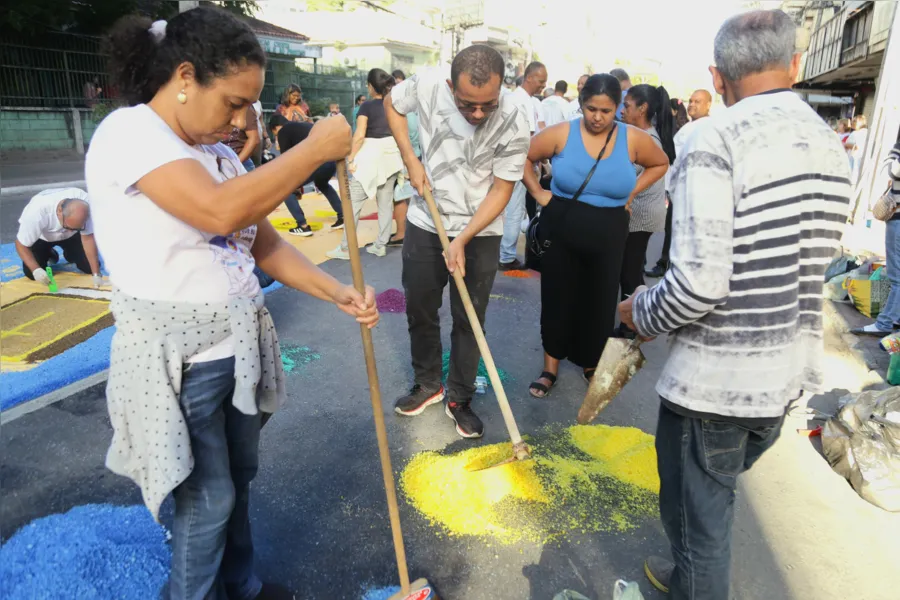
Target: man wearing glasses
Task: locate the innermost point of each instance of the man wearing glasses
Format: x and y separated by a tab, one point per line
60	217
474	144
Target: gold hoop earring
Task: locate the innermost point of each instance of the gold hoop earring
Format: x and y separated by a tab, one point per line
182	97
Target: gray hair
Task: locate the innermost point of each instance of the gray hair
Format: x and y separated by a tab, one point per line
754	42
68	205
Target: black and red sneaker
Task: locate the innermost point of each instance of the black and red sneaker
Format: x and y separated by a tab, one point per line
418	400
468	425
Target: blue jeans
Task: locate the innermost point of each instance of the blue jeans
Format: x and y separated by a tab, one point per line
890	314
320	179
512	223
212	550
699	462
248	164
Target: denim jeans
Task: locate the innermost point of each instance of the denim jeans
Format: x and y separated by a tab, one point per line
212	550
248	164
699	461
320	179
512	223
890	314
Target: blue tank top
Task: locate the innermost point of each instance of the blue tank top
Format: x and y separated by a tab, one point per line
613	180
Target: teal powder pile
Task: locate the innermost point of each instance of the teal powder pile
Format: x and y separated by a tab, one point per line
482	371
294	357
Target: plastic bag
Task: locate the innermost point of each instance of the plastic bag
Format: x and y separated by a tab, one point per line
862	444
868	295
569	595
835	290
627	590
840	265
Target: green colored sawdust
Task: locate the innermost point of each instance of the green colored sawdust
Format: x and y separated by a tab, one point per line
582	479
482	370
293	357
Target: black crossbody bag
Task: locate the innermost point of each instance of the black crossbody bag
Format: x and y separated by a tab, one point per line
539	244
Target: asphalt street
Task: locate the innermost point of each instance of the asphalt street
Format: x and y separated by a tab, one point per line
318	506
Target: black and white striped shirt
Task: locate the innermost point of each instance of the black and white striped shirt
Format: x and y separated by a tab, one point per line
760	203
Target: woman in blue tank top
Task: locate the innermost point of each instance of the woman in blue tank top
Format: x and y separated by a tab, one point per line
585	220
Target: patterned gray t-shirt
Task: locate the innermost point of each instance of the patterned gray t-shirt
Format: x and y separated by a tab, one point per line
461	160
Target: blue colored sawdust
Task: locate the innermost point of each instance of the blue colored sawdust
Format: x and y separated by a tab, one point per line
11	264
380	593
92	552
80	361
294	357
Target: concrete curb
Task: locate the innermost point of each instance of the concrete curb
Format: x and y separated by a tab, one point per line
38	187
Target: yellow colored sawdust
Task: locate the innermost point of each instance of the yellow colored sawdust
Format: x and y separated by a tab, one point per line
585	478
626	453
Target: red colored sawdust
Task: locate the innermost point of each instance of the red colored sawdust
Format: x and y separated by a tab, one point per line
517	274
372	217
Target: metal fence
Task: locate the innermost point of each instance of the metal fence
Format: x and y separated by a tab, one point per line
65	69
57	74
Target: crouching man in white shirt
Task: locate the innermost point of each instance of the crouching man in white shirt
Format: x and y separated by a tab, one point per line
62	218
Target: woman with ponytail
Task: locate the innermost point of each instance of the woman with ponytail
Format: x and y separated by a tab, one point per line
679	112
375	163
195	361
649	109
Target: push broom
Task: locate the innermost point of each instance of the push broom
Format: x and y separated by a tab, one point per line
419	589
520	450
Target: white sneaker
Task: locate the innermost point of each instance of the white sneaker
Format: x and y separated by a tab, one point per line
375	250
338	253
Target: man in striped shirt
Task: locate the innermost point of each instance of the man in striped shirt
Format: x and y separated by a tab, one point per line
760	199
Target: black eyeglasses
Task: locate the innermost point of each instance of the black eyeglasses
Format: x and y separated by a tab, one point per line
468	109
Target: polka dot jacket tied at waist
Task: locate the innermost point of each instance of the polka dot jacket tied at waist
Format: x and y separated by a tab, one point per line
152	342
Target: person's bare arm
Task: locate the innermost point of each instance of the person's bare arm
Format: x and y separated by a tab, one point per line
544	146
27	256
400	130
250	145
496	200
289	266
185	189
90	250
359	136
648	155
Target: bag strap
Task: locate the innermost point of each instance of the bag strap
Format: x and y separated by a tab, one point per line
597	162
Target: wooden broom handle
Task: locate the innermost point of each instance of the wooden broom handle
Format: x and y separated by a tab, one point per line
508	417
374	390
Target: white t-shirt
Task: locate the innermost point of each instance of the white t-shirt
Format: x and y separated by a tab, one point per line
539	116
858	138
151	254
574	110
556	110
461	160
528	107
39	220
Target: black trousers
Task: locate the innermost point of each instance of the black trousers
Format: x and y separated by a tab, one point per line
667	242
73	251
580	278
425	275
633	262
